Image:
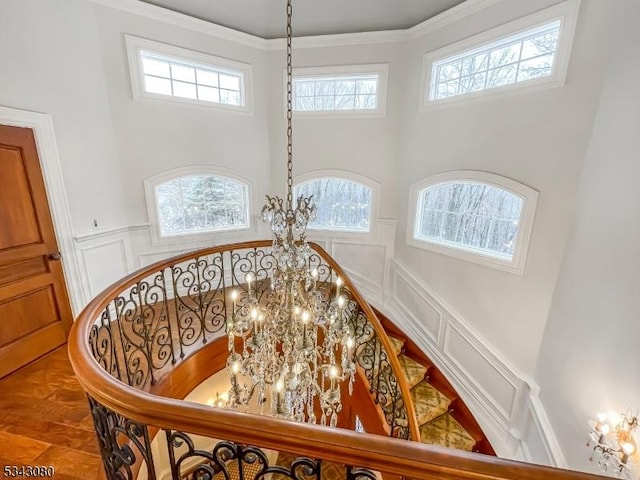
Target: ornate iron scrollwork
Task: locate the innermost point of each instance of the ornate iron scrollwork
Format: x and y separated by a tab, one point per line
232	461
161	318
119	439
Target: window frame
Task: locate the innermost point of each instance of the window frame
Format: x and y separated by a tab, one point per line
352	177
529	198
152	182
380	69
566	13
136	45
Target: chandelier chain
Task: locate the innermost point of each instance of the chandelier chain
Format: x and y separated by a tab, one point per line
289	109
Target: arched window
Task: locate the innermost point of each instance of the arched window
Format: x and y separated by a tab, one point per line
476	216
196	201
342	204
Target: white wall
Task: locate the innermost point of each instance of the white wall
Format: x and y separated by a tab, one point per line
49	64
590	352
538	139
367	146
154	136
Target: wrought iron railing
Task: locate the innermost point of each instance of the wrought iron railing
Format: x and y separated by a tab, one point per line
136	335
148	323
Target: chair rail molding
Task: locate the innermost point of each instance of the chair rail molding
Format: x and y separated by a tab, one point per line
510	411
43	130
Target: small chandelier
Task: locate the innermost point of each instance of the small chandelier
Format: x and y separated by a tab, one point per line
291	352
614	445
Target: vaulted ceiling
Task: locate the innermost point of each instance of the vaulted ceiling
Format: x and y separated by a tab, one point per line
266	18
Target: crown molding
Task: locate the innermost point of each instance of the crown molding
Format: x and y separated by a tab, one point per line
153	12
341	39
187	22
454	14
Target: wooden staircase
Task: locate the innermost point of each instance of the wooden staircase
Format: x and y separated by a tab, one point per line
443	417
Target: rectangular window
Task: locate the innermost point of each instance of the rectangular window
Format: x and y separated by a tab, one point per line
358	90
166	72
528	53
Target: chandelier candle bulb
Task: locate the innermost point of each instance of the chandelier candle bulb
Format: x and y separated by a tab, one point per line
628	448
602	417
314	276
234	298
249	278
338	285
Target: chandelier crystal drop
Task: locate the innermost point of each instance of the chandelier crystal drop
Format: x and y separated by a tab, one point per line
291	350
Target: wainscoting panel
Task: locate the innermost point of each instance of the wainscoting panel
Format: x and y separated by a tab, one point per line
418	307
502	399
473	364
367	261
104	262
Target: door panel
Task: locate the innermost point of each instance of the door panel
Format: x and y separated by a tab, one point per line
35	315
38	306
22	269
16	204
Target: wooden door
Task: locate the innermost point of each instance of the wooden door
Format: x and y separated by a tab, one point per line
35	315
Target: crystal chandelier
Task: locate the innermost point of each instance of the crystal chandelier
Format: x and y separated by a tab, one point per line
291	352
614	445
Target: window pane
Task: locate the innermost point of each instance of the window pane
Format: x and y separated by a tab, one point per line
365	102
540	45
229	82
188	78
367	86
449	72
536	67
527	55
304	103
304	89
504	56
182	73
346	87
208	93
325	87
345	102
196	204
341	204
185	90
157	85
208	78
501	76
475	216
233	98
346	92
324	103
153	66
448	89
473	83
475	64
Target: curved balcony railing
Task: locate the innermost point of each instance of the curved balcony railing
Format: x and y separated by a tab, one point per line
146	341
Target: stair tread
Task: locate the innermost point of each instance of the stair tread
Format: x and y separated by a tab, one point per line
414	371
429	402
446	432
396	344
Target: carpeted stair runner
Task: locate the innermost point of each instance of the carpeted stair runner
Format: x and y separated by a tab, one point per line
437	426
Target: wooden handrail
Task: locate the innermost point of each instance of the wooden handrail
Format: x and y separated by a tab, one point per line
414	429
388	455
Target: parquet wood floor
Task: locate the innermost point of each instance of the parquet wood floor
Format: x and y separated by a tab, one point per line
45	420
